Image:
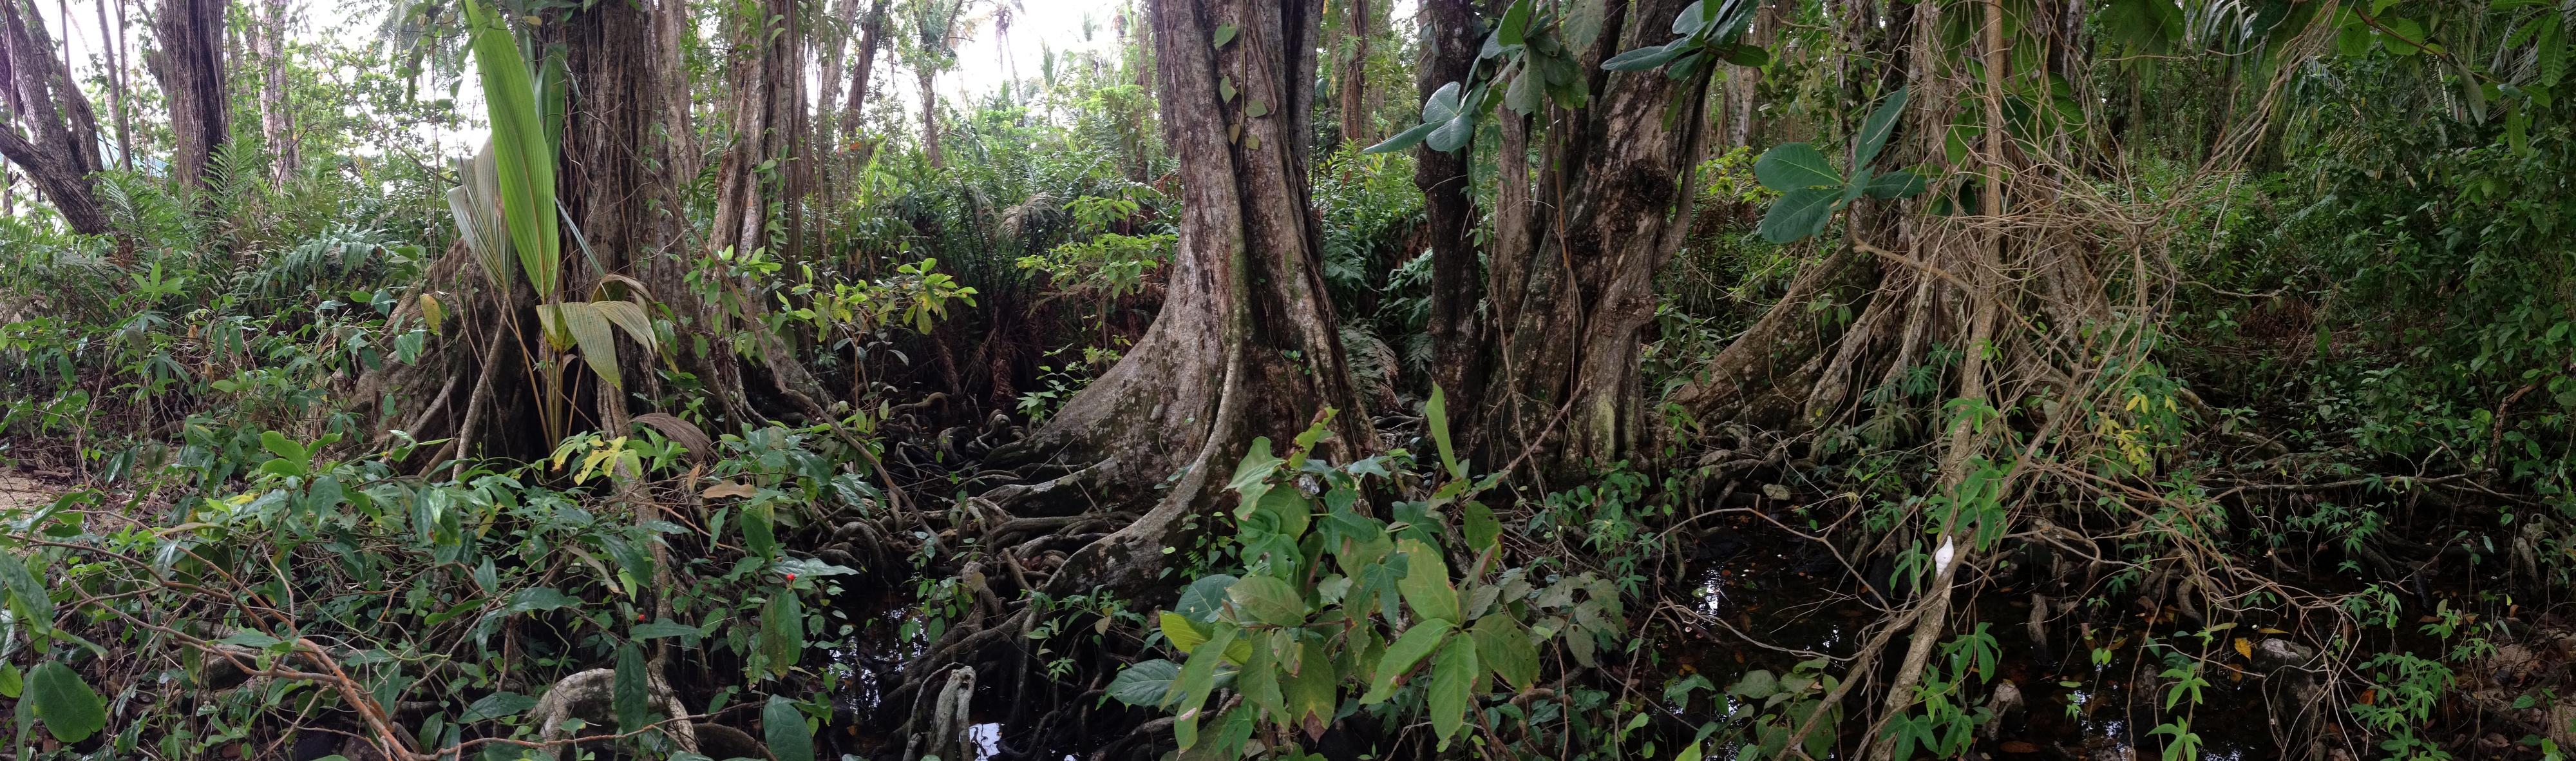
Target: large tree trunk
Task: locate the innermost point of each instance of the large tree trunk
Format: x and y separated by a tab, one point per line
58	147
929	115
276	123
673	31
1459	359
1246	343
1573	280
190	66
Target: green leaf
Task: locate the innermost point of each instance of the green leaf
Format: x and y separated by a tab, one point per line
1197	678
1145	684
756	535
534	599
1436	414
1453	673
627	695
1269	600
12	681
1478	522
2549	53
1515	27
523	156
1453	135
1443	104
1402	654
1314	692
581	324
1581	25
1256	109
2410	36
1504	645
1203	599
1896	184
1252	475
1874	130
661	628
1650	56
1426	588
497	705
251	639
1692	18
71	710
1755	685
1289	512
1799	214
1224	34
1747	56
784	727
1795	166
1402	140
28	597
2353	41
782	631
285	448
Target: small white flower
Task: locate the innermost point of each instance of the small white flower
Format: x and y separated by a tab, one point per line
1941	557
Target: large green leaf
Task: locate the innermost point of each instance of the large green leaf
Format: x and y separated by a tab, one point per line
523	156
1453	134
1145	684
1896	184
1252	475
1426	587
1799	214
71	710
627	695
28	598
1874	130
1269	600
784	727
1402	654
1403	140
1650	56
1436	416
1197	678
476	205
1504	645
1453	676
782	631
1795	166
581	324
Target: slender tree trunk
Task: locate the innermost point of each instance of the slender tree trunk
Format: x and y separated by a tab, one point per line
276	122
114	47
55	138
1354	86
1459	356
1613	194
1246	344
863	64
190	66
929	116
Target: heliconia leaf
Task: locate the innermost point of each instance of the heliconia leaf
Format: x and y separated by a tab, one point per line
523	156
1402	654
1795	166
1453	676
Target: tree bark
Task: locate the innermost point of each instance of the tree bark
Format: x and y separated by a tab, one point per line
1246	344
1459	356
190	66
673	30
929	116
276	123
1354	85
766	127
1573	282
58	148
115	50
863	65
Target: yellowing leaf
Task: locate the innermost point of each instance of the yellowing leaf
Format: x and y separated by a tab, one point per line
2245	647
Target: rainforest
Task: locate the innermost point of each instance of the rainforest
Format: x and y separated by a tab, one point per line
1276	380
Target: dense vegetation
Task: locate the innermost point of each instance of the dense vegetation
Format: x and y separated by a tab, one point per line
1593	379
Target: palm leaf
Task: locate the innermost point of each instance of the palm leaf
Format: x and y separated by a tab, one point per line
588	326
524	156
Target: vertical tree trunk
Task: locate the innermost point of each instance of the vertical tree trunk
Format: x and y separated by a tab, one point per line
1459	358
863	65
929	116
190	66
828	43
55	138
1354	86
1613	201
276	123
606	179
115	50
673	31
765	127
1246	344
